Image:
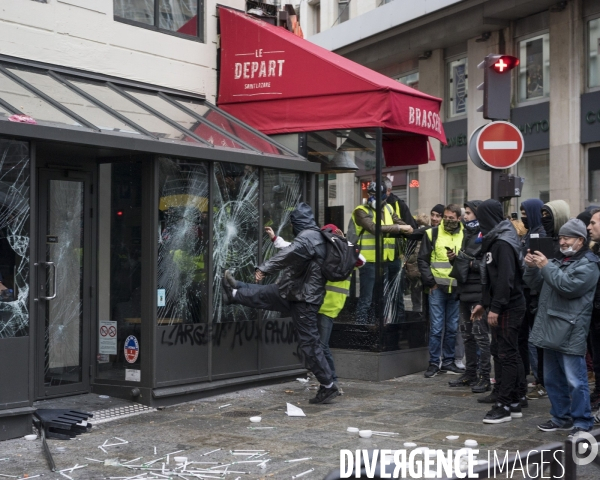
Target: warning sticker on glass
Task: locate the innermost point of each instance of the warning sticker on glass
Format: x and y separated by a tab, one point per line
132	349
107	337
133	375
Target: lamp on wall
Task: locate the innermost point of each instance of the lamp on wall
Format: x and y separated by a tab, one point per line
485	36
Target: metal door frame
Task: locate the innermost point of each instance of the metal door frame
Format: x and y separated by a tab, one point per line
79	171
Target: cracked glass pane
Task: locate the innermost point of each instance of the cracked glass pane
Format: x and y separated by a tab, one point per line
119	265
14	238
183	242
236	233
64	325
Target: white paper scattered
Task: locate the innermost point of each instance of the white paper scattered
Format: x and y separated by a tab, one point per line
293	411
303	380
410	444
470	443
452	437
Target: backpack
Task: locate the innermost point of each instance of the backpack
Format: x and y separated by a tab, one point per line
340	257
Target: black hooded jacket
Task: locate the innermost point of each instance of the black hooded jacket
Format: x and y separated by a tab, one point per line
301	279
404	212
470	291
502	272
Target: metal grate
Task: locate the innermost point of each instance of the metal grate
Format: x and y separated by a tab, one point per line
241	413
117	413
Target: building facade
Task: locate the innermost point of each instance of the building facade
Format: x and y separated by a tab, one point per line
436	47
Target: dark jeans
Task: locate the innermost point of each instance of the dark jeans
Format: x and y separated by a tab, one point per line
475	334
325	326
511	384
443	316
304	316
531	304
595	343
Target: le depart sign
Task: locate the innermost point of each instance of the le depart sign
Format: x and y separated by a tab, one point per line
496	146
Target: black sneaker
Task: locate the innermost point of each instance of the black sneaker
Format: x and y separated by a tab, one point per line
432	371
575	431
325	395
463	381
491	398
452	369
482	385
550	426
227	292
515	411
524	402
498	414
228	277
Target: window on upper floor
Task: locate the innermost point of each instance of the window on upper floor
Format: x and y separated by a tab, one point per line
534	68
183	18
343	10
457	87
410	80
593	52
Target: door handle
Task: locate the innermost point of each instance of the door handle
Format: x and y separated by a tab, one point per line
50	264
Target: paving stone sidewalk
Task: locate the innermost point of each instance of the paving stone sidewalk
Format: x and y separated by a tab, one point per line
423	411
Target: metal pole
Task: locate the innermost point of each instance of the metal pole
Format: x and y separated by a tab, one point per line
378	290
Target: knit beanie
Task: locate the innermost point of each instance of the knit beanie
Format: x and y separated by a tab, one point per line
439	208
573	228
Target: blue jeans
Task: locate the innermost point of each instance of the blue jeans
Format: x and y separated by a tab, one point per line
443	314
325	325
364	312
565	379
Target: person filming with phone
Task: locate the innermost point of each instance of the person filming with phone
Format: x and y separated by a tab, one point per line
435	268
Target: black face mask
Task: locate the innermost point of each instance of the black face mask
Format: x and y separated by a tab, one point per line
525	221
548	223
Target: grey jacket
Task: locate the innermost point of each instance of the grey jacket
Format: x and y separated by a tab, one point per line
301	279
567	288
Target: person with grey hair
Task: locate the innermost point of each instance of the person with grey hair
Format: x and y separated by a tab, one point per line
567	285
395	273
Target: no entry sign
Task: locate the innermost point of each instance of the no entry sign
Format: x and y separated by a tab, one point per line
496	145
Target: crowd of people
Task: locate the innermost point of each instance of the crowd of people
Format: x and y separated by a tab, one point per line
522	296
530	305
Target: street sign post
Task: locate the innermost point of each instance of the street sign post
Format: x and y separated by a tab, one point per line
496	146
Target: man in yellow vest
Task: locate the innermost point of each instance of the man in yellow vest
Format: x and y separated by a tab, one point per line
435	269
364	223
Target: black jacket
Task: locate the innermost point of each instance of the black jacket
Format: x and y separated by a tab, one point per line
470	291
405	214
301	279
502	272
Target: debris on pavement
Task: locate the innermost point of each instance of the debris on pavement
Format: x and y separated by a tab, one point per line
293	411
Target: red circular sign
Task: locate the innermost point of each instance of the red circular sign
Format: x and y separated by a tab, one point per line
500	144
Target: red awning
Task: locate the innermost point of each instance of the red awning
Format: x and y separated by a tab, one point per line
280	83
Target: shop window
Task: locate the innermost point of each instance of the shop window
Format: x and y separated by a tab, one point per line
534	68
593	197
535	169
343	11
235	233
14	238
183	244
456	184
457	87
180	17
413	191
120	268
410	80
593	53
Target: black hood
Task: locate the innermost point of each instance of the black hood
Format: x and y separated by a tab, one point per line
302	218
489	214
473	205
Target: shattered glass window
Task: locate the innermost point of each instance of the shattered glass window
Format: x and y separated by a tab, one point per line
183	242
235	197
14	238
119	265
30	104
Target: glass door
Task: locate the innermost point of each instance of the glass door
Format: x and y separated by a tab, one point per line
63	290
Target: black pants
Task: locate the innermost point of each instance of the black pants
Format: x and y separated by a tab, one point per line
304	316
531	305
594	337
475	334
511	384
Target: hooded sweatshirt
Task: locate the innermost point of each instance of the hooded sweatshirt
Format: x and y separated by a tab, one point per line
501	274
470	291
560	212
533	210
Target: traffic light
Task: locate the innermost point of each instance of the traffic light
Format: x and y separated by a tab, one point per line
496	86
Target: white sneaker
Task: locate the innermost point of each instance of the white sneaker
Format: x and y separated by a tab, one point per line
460	364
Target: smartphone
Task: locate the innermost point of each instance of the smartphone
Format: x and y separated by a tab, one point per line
544	245
448	249
514	216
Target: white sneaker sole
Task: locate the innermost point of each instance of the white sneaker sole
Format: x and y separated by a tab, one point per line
516	415
500	420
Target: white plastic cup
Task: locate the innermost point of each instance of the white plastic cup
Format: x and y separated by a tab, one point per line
255	419
365	433
352	430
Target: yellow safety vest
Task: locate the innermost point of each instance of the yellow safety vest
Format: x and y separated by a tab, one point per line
440	265
335	298
367	240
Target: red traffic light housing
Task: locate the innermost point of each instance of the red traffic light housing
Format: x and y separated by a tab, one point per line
502	63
